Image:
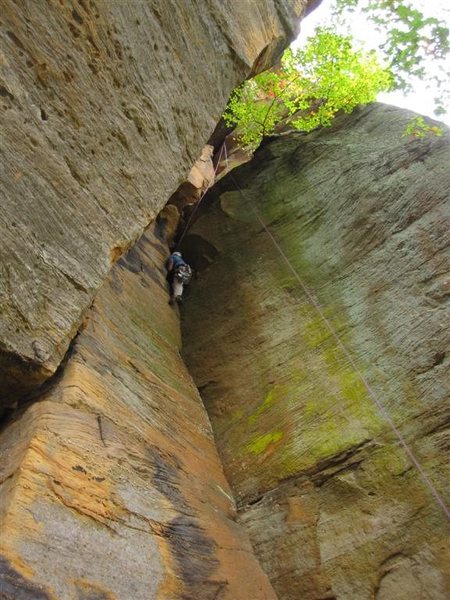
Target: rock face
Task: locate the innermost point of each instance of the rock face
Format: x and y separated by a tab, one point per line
175	216
332	505
111	483
105	109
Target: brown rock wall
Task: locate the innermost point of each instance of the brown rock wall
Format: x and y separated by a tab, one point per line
111	486
105	106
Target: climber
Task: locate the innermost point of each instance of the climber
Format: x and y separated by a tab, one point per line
179	274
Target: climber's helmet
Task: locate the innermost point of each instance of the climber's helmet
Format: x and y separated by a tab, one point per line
176	254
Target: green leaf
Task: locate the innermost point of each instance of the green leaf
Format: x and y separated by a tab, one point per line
311	86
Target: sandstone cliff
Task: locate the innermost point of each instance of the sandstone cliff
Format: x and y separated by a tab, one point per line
105	107
331	502
110	483
112	487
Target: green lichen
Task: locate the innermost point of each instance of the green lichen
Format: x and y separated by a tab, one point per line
315	332
319	407
260	443
267	403
333	413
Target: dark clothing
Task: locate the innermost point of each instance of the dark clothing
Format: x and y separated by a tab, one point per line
176	261
172	263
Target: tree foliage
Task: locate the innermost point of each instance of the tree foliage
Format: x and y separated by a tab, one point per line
330	74
417	128
309	88
411	41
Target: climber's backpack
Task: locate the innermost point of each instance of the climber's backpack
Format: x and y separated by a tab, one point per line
183	273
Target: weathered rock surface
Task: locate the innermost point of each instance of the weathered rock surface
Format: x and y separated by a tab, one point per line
105	105
332	504
111	486
176	215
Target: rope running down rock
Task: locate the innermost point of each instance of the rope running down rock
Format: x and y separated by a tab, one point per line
425	478
186	227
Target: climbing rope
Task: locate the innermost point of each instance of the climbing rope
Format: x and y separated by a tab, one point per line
186	227
382	409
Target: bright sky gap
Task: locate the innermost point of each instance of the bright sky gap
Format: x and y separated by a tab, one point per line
421	99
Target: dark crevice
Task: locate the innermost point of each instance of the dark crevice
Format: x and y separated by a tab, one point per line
13	37
77	17
5	93
198	252
26	399
256	500
319	474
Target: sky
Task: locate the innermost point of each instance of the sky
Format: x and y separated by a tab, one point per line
421	99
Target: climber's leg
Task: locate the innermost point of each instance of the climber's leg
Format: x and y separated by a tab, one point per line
177	290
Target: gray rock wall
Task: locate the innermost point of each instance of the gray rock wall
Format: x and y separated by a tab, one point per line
105	106
331	502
